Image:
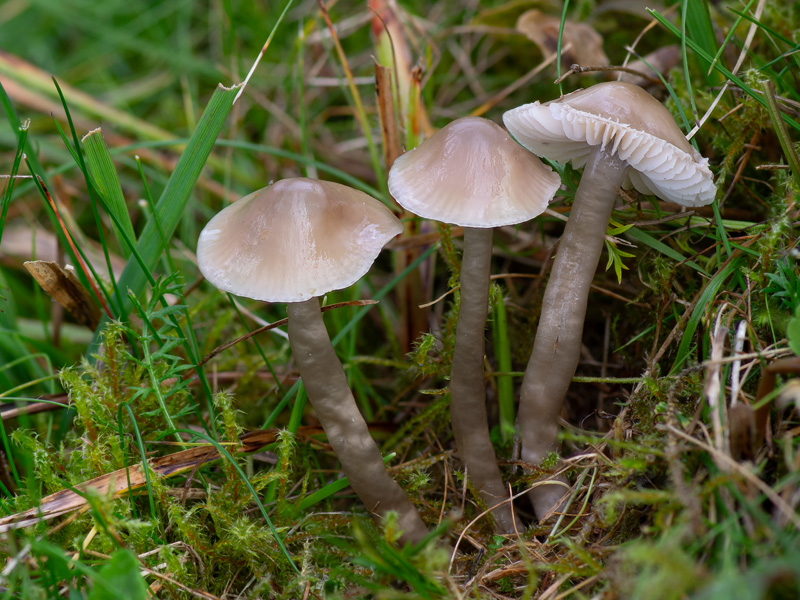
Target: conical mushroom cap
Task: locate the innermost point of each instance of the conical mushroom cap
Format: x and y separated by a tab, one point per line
639	129
471	173
294	240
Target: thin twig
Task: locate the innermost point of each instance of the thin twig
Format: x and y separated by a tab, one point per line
280	323
577	69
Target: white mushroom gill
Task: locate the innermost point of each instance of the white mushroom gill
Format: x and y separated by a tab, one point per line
659	166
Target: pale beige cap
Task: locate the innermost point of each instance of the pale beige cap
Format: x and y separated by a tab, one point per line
471	173
639	129
294	240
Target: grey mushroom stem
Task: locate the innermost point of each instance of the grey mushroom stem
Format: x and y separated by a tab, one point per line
347	432
556	350
467	382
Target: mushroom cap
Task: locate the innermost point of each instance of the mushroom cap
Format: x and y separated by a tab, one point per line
294	240
639	129
471	173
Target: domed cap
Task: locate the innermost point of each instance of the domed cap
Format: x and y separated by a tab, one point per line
640	130
294	240
471	173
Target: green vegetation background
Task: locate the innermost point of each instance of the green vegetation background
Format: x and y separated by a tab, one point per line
666	505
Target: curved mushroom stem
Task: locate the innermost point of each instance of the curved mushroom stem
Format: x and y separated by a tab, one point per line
347	432
467	382
556	350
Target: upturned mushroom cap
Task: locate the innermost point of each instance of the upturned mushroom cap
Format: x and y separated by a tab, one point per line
294	240
471	173
639	129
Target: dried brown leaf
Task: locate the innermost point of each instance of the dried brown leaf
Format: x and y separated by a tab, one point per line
63	286
586	45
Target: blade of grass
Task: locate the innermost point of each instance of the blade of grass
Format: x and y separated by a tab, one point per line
558	46
733	78
16	125
330	489
705	300
173	201
793	46
12	178
77	155
728	37
645	238
780	130
300	90
685	58
101	168
505	385
699	26
142	455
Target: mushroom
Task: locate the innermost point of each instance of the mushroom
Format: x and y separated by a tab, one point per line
623	136
292	242
471	173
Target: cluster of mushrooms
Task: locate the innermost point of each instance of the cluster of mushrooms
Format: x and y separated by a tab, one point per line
298	239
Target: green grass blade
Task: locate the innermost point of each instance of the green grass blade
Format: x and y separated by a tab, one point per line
647	239
101	168
77	155
330	489
126	406
23	135
733	78
701	30
558	46
705	300
505	384
780	130
687	79
774	33
173	201
16	125
729	36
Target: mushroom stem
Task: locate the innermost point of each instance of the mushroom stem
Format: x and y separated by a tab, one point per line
467	382
347	432
556	350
